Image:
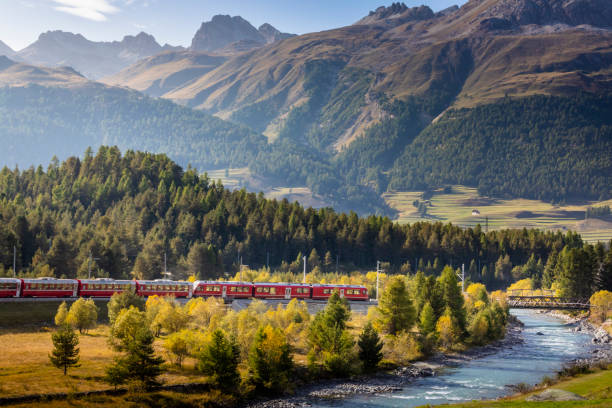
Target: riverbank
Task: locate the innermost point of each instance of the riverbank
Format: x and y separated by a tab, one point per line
586	390
396	380
601	338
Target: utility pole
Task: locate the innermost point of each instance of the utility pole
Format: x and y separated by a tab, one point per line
304	279
14	261
377	273
240	269
165	264
462	277
268	259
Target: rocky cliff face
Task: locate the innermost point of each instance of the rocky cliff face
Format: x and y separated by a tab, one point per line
233	35
92	59
514	13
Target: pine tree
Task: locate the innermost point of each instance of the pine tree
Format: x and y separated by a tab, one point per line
427	322
270	361
396	308
219	360
453	298
139	364
329	340
370	347
65	352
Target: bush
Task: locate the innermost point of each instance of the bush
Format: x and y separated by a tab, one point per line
123	300
83	315
574	369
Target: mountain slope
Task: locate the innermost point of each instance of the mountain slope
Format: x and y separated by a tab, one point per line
399	99
6	50
45	110
92	59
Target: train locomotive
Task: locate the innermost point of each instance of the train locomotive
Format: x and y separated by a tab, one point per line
105	288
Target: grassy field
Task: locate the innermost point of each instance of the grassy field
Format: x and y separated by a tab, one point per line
596	387
25	342
457	207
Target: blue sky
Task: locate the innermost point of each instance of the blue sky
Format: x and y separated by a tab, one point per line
175	21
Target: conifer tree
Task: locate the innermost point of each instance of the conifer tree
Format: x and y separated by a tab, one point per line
329	340
427	321
453	298
139	364
270	361
370	347
396	308
65	352
219	360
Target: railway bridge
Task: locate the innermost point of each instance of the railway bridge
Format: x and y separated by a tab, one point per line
544	299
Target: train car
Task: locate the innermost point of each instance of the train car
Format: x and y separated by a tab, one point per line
162	287
9	287
226	290
264	290
104	287
350	292
49	287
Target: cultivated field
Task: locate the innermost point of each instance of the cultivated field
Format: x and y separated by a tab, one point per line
242	177
457	207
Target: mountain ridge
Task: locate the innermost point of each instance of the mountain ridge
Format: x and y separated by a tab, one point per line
93	59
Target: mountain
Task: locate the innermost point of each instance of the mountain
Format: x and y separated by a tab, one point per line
13	74
92	59
57	111
223	31
345	108
6	50
165	72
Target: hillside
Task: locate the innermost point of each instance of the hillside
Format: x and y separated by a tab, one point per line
46	112
129	209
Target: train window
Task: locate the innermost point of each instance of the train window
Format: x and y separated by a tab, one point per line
273	291
327	291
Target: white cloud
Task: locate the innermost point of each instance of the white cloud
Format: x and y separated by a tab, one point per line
95	10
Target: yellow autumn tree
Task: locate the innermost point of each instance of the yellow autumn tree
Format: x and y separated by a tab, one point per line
447	330
601	306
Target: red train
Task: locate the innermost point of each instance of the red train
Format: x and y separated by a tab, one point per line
104	288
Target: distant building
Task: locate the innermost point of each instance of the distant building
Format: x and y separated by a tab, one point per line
475	212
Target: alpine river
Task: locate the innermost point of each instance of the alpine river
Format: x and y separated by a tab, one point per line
487	377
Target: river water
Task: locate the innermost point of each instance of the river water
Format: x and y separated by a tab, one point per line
487	377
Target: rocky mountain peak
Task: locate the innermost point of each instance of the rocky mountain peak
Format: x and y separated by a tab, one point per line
395	14
223	30
142	43
271	34
515	13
